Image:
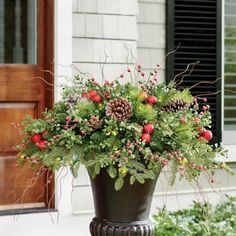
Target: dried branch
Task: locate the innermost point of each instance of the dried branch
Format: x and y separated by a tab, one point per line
205	82
86	74
183	72
173	51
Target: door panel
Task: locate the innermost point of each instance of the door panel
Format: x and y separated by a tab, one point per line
13	112
23	92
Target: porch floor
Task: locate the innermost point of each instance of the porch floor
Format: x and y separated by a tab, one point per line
40	224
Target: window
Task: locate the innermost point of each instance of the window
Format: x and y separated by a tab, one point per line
230	66
18	31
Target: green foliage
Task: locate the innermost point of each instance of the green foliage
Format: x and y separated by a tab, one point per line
199	220
144	112
85	127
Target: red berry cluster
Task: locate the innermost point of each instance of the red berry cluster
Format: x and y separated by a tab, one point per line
39	141
93	95
148	129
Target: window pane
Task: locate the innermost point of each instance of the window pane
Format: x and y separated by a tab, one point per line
18	31
230	65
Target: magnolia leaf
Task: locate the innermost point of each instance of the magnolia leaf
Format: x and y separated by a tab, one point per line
119	183
132	180
112	171
97	168
140	178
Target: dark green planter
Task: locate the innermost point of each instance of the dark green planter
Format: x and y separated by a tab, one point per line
124	212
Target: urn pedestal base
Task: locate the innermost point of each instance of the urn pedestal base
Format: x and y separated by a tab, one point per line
108	228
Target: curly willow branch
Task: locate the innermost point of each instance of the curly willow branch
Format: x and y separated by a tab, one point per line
102	66
205	82
173	51
183	72
86	74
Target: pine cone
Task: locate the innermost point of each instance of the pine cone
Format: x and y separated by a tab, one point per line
176	105
94	122
119	109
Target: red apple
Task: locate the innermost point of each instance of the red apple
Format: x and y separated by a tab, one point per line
207	134
151	100
92	93
146	137
36	138
97	98
200	130
148	128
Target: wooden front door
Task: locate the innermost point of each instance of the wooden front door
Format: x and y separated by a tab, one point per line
26	53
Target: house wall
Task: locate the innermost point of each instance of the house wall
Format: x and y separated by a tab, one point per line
151	31
100	30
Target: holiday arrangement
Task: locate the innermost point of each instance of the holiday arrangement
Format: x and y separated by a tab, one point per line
131	129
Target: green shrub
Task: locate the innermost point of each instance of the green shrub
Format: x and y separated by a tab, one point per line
199	220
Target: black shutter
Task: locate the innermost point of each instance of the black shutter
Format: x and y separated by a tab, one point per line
195	25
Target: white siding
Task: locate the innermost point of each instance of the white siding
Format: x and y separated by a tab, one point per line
100	28
151	30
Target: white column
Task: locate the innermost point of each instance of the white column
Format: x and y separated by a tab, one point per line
63	61
18	50
2	30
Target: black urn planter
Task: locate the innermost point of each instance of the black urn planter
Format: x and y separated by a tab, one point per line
124	212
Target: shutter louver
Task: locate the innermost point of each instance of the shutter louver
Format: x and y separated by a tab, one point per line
195	25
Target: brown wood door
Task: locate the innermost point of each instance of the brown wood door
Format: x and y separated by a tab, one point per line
26	52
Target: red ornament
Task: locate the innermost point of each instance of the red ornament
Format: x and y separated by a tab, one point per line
42	144
97	98
85	95
146	137
148	128
152	100
92	93
36	138
200	130
207	134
